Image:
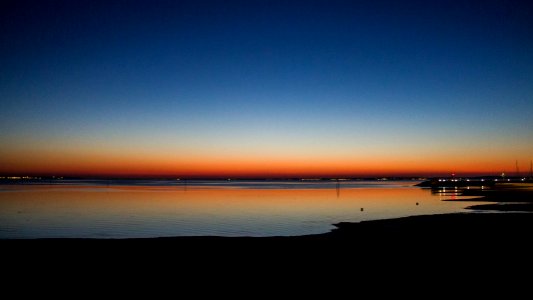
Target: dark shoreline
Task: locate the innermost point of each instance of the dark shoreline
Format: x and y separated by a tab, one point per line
494	238
501	198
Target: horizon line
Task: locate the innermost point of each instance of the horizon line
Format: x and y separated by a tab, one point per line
183	178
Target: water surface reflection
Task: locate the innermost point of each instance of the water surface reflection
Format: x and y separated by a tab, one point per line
122	211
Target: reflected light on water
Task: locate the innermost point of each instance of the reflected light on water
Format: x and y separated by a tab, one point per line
149	211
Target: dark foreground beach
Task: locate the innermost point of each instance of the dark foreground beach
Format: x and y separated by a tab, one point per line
463	248
481	252
450	249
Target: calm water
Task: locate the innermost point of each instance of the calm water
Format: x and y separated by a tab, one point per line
124	209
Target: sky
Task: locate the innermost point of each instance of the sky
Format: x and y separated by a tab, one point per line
265	88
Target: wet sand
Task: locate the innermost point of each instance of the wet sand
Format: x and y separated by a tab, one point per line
502	197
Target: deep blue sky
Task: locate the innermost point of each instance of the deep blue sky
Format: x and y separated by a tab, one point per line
378	80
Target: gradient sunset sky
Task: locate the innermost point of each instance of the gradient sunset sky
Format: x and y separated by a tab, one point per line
265	88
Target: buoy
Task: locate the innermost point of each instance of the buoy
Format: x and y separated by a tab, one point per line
362	209
417	203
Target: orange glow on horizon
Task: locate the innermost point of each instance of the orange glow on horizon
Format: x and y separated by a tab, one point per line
90	164
81	159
